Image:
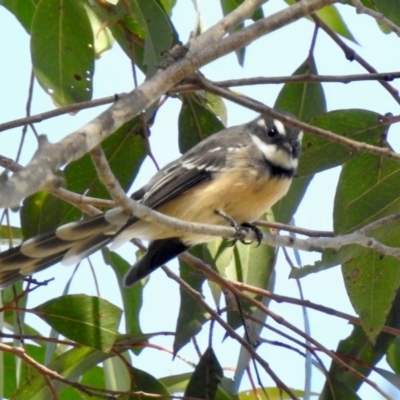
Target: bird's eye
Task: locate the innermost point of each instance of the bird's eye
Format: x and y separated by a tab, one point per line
272	132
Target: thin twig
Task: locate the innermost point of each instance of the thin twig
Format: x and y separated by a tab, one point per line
352	55
72	108
108	179
295	229
303	78
306	303
379	17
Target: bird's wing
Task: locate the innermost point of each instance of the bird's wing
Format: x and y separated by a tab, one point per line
198	165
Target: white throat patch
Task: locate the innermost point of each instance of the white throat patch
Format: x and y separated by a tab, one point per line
274	155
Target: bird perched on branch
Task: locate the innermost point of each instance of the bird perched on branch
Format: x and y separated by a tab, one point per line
234	175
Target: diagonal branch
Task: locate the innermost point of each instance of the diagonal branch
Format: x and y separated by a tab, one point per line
203	49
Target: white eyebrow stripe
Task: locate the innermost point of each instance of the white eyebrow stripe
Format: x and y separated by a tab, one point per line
280	127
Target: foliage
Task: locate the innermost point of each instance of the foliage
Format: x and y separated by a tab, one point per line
94	358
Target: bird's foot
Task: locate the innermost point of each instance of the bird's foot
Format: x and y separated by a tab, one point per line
241	229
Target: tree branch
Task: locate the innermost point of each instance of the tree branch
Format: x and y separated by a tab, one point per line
262	80
379	17
203	49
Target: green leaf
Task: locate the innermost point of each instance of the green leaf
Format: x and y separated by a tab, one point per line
329	259
131	298
371	283
144	382
129	35
9	368
390	9
361	354
63	51
159	33
196	121
10	232
176	383
71	364
168	5
319	154
331	16
91	321
103	38
205	379
393	355
142	28
251	264
42	212
93	377
23	10
367	190
116	375
338	390
305	100
191	316
218	254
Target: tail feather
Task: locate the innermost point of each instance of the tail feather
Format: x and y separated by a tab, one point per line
82	249
76	240
14	266
44	245
83	229
158	253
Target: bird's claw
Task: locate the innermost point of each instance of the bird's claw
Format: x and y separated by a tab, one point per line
241	230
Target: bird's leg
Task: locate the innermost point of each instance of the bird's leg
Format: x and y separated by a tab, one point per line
241	230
